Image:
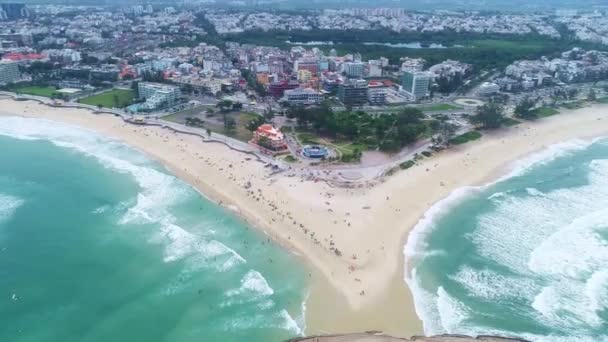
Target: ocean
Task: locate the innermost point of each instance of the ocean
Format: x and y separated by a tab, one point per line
100	243
526	256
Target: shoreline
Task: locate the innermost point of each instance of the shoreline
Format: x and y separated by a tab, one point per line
414	244
362	287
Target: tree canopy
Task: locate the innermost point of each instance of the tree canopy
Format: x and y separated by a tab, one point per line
489	116
525	109
388	132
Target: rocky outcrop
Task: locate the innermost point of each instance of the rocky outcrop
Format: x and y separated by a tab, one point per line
371	337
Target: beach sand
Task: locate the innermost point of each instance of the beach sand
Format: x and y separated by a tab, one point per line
360	288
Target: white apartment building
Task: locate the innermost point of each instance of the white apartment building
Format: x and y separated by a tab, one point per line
304	96
354	69
9	71
158	95
487	89
417	84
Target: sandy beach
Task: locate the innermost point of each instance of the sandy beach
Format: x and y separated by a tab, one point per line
352	238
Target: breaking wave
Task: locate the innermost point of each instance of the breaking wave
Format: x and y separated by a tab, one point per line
536	253
158	193
8	205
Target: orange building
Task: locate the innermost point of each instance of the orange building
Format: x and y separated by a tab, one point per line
267	136
262	78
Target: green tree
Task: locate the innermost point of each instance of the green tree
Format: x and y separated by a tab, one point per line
525	109
446	133
225	106
255	123
236	106
489	116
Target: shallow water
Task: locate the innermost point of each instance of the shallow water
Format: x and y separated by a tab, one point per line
525	256
98	243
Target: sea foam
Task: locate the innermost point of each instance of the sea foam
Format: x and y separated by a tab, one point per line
552	242
8	205
159	192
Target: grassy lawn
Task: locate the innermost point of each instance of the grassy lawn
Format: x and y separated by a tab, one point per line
544	112
407	164
466	137
118	98
308	139
240	132
510	122
346	148
172	118
290	159
215	122
438	108
573	105
35	90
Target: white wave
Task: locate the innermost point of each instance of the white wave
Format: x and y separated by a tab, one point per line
451	311
253	284
534	192
550	153
290	324
416	245
278	320
596	291
102	209
302	318
158	190
574	251
491	285
498	195
425	305
8	206
553	243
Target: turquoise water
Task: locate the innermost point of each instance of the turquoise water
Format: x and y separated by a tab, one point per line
526	256
98	243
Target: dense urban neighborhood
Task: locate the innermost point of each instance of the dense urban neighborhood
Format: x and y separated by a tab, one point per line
300	84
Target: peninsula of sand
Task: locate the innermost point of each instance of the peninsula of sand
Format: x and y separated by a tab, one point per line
353	238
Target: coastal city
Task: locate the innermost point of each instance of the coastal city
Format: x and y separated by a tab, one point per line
193	66
296	170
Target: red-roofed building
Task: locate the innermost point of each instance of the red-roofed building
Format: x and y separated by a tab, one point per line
268	137
14	56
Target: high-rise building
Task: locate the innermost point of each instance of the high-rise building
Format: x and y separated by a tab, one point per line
376	93
158	95
9	71
354	69
353	93
416	84
15	11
